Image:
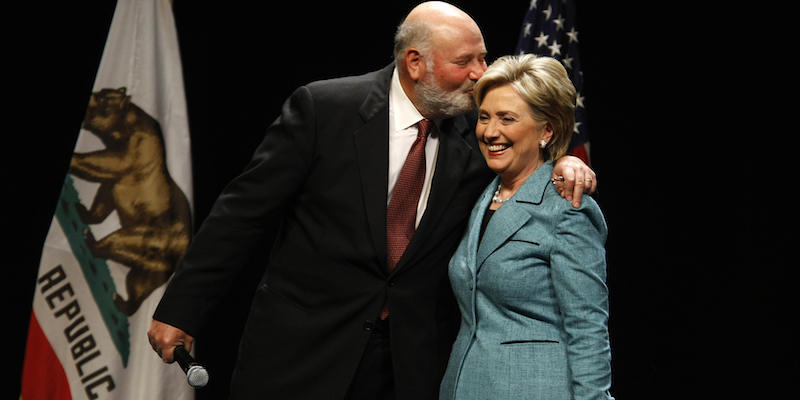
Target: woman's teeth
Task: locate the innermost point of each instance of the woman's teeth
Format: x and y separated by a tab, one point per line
498	147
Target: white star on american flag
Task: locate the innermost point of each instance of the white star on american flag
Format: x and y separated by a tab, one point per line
547	12
541	40
559	23
573	34
555	48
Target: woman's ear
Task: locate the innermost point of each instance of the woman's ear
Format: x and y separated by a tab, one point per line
547	133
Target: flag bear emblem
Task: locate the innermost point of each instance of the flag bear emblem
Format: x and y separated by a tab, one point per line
154	214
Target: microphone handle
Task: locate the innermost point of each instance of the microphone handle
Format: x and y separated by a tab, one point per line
196	374
184	359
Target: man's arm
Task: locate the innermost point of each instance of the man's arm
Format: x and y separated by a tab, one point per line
250	209
572	177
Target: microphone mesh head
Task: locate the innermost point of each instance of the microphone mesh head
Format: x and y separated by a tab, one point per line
197	376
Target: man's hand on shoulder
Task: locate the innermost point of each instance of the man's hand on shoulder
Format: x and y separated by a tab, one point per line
572	177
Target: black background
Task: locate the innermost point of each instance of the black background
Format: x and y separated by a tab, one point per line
698	249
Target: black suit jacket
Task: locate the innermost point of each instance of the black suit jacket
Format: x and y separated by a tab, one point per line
319	179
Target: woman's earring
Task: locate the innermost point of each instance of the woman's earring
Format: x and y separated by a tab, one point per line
543	143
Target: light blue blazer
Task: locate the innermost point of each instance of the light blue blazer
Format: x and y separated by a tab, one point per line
533	300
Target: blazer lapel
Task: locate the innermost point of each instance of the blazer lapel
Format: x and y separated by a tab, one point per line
372	148
512	216
505	222
474	227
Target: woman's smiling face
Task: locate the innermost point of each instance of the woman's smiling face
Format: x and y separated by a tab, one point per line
508	136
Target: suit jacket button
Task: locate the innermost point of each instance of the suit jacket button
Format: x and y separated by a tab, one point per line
369	325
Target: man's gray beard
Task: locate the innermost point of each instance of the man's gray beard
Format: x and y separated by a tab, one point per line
438	103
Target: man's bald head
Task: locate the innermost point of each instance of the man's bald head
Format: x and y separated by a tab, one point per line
429	24
438	11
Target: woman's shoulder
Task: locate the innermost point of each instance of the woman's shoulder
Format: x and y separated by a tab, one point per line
588	212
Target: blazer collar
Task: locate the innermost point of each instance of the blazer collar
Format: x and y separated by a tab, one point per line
512	216
532	190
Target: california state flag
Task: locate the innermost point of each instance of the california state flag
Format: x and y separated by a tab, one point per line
122	223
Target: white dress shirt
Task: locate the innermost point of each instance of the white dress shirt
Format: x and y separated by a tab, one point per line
403	117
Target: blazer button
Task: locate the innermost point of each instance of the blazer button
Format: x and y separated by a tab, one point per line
369	325
391	283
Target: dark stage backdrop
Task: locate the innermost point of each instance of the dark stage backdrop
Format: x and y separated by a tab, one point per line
672	285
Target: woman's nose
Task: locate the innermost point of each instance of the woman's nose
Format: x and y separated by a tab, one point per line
491	131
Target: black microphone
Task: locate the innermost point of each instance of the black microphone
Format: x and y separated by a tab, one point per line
196	374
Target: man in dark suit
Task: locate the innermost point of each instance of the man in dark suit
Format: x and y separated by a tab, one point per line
340	313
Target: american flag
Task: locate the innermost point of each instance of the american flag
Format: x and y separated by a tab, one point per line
549	30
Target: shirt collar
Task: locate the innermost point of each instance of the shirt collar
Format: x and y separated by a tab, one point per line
404	113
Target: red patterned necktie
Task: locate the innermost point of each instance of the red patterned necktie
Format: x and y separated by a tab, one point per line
401	214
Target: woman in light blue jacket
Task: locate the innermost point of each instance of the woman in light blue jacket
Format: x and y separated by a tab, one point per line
529	274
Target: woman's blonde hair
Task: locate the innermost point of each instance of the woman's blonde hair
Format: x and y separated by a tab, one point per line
544	84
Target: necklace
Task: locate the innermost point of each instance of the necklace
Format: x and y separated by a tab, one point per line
497	198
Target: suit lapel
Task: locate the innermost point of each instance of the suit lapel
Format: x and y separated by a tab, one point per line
451	162
372	148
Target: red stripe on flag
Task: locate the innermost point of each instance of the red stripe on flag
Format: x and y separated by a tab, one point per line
581	152
43	377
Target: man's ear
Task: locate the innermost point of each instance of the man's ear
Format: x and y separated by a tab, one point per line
415	64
